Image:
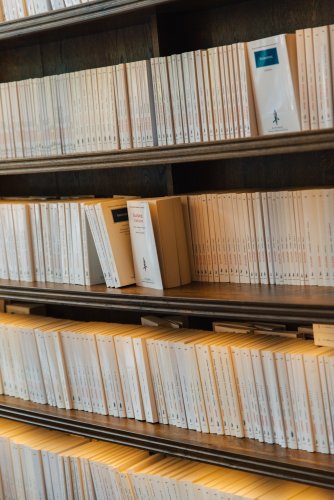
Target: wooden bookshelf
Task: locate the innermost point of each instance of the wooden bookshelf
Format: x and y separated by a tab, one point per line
71	16
108	32
243	454
302	142
290	304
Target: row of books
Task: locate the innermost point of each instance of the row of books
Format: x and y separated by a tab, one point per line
77	112
48	241
87	241
10	9
272	389
274	237
39	463
315	50
197	96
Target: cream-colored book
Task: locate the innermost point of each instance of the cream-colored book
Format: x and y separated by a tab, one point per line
323	76
175	98
311	79
247	97
215	88
201	94
233	88
180	77
302	80
122	104
227	92
165	90
158	104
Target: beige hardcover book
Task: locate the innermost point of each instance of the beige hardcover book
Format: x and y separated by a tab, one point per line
311	79
323	76
323	334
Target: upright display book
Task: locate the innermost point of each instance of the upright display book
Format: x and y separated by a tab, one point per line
273	65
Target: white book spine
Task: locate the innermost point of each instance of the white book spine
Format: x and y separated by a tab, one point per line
323	77
311	79
302	80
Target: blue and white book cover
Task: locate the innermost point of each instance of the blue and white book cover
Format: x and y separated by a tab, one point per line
273	64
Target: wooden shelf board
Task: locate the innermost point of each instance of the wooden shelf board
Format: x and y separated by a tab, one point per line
82	13
184	153
244	454
242	302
